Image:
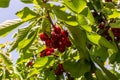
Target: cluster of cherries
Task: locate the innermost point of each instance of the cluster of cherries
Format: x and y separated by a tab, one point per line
57	40
59	70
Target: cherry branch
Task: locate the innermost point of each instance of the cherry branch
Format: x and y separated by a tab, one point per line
48	15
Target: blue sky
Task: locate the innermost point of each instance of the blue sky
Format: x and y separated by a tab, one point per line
8	14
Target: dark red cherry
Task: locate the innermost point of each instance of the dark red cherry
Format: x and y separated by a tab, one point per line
57	29
29	63
64	33
43	36
68	43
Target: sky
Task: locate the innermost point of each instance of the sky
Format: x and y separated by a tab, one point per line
9	14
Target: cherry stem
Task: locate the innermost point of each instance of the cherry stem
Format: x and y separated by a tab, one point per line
48	15
50	19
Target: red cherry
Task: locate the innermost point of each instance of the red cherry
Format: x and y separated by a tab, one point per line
54	36
108	0
55	44
68	43
116	31
57	29
48	53
101	25
64	33
49	49
29	63
61	48
61	68
48	43
43	36
57	72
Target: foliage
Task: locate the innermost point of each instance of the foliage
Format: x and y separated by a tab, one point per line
64	40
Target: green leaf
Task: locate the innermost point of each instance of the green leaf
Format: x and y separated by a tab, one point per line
4	3
97	4
22	33
79	39
115	14
99	75
33	72
87	13
7	61
109	5
65	17
107	11
46	26
75	5
83	22
37	2
27	42
76	69
44	61
26	1
8	26
99	40
107	72
100	52
115	25
19	77
42	4
27	14
50	75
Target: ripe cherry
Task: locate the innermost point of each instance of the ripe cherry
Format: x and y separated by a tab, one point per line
61	47
54	36
108	0
43	36
48	53
49	49
48	43
29	63
59	70
68	43
64	33
101	25
57	29
116	31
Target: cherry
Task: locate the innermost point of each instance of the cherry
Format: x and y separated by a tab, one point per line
48	43
54	36
49	49
61	47
68	43
101	25
43	36
55	44
59	70
29	63
116	31
64	33
57	29
48	53
108	0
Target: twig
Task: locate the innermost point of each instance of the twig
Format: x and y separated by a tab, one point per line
48	15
